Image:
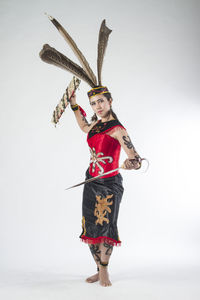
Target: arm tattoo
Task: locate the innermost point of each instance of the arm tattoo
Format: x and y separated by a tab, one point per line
84	120
133	163
127	142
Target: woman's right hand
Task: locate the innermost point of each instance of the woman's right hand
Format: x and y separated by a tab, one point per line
73	99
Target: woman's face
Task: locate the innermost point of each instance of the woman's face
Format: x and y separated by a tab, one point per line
100	105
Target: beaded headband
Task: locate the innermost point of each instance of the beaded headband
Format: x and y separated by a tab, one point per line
98	90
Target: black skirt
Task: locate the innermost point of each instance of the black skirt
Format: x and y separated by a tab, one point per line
100	208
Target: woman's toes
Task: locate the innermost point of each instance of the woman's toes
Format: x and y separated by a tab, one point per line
93	278
104	278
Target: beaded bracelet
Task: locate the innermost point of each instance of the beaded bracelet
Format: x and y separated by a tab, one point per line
74	107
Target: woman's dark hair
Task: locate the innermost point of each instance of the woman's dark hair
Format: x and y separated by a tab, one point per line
111	112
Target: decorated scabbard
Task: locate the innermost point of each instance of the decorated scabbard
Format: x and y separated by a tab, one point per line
60	108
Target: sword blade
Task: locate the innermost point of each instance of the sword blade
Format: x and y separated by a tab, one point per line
93	178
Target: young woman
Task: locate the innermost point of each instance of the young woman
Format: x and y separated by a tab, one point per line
102	197
105	137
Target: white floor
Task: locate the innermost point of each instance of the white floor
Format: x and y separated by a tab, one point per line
149	283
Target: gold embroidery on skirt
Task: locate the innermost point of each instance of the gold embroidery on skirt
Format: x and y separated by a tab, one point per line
101	208
83	225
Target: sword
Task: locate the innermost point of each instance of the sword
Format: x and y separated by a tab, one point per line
93	178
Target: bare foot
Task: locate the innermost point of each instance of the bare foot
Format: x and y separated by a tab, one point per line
104	277
93	278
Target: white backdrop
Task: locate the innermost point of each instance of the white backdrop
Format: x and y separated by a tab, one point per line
152	69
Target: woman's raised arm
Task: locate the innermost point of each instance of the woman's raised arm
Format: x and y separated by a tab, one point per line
81	120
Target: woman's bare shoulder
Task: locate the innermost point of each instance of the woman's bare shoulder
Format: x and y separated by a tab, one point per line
117	132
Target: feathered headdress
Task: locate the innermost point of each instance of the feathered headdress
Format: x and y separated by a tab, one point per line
52	56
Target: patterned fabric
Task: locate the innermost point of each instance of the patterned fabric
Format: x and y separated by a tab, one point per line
100	208
97	91
103	127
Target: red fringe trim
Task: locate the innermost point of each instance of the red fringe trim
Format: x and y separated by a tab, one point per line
100	239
